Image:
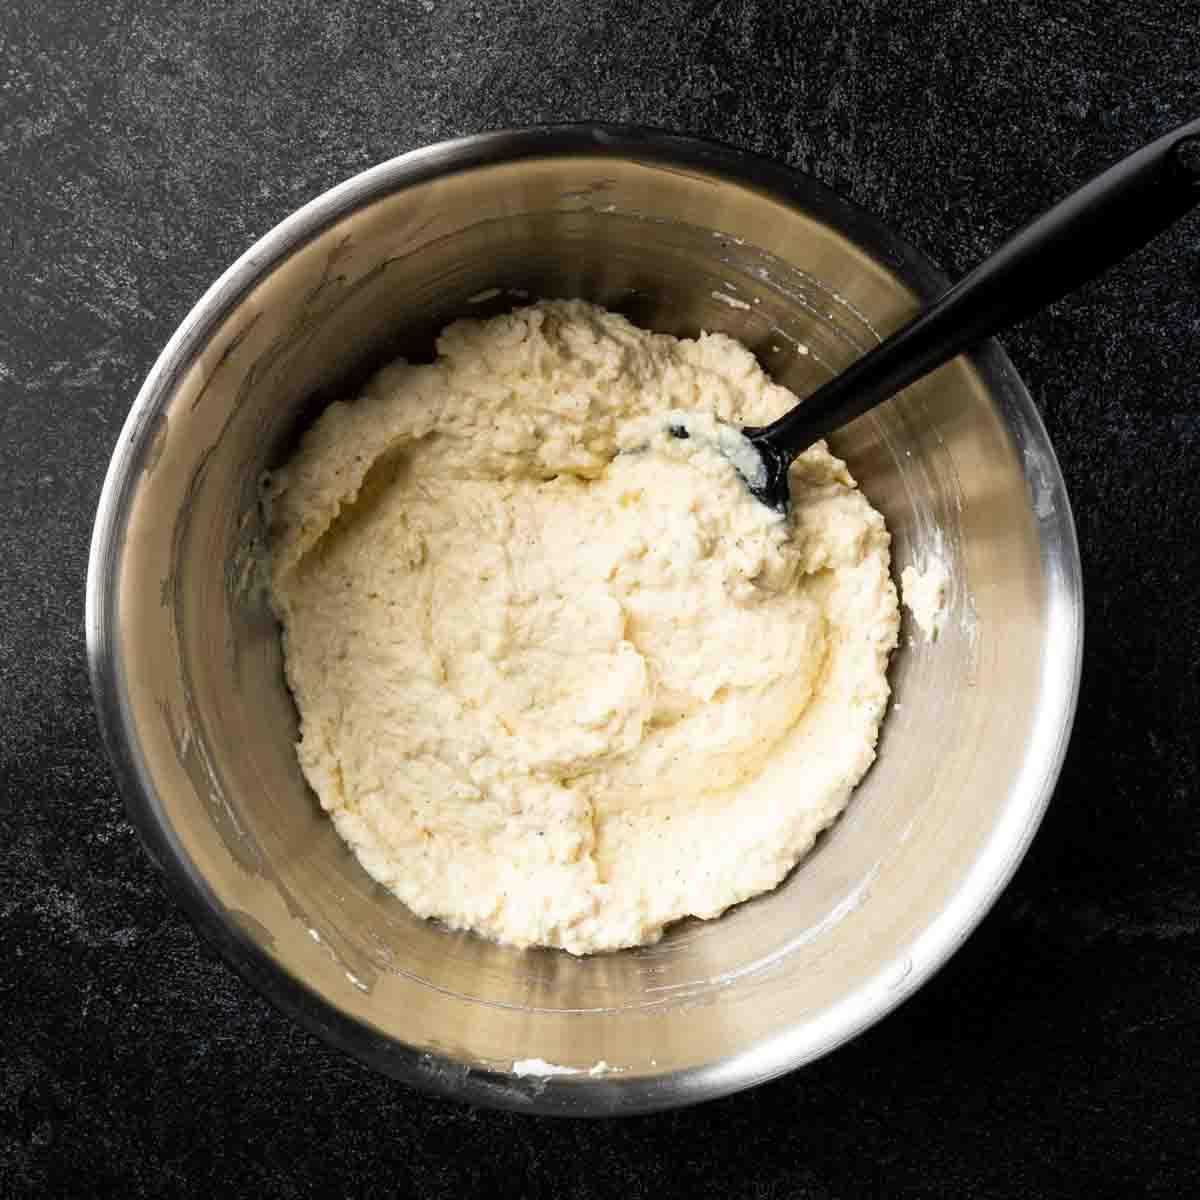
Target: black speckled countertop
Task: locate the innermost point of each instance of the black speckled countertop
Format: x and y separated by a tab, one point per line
146	143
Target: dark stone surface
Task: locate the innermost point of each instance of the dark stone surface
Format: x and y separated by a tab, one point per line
146	143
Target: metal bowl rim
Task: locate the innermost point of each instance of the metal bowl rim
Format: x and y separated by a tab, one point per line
564	1095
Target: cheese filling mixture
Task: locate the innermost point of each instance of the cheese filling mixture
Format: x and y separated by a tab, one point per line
561	679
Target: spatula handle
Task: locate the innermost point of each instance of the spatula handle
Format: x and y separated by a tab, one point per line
1079	238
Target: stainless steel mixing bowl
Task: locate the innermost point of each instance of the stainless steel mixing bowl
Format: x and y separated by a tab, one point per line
681	236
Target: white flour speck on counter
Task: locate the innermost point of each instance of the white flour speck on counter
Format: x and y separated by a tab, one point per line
539	1066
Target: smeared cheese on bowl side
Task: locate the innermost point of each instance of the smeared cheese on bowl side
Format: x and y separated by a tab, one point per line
561	679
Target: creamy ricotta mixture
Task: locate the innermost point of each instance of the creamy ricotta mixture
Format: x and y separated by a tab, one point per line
924	593
561	679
